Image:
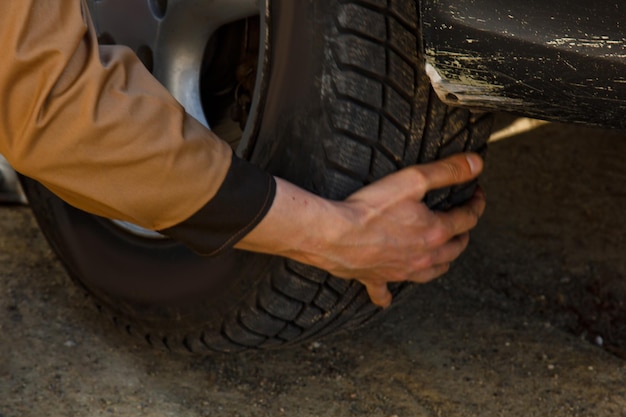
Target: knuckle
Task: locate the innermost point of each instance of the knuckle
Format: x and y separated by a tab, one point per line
425	262
478	208
418	175
401	277
433	273
455	171
440	270
464	241
419	180
405	274
468	218
473	219
439	235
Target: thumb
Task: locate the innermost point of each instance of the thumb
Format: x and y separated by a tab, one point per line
452	170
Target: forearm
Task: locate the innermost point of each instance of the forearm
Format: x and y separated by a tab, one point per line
299	225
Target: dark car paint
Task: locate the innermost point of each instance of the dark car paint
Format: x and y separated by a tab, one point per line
554	60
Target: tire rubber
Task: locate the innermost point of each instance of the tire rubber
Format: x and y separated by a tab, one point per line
347	103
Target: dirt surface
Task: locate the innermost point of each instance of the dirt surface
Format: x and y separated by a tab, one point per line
530	322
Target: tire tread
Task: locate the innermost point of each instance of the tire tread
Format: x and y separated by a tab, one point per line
382	115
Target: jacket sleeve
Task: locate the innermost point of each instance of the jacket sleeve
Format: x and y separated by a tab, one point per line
93	126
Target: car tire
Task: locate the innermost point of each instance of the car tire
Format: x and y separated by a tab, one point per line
343	101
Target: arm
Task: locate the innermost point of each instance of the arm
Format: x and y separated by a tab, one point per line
94	126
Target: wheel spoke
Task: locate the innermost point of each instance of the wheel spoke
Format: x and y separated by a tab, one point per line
183	36
176	33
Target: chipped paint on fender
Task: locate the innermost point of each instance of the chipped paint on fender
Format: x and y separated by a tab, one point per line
534	57
467	91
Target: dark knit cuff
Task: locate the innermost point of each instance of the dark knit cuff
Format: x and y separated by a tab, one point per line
242	201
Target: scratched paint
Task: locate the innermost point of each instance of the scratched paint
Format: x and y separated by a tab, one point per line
533	57
468	91
597	42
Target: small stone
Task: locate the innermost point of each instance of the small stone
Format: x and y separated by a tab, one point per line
69	343
315	345
551	367
599	341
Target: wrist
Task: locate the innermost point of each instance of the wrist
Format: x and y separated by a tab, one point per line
299	225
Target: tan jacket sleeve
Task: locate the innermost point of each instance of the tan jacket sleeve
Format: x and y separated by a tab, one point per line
97	129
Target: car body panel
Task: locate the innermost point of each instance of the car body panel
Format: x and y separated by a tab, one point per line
560	61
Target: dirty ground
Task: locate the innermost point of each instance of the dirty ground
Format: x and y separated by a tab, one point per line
530	322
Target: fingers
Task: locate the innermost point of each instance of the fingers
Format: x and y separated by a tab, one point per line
461	219
451	250
415	181
379	294
427	275
453	170
444	235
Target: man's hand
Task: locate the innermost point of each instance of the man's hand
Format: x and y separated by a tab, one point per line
382	233
393	236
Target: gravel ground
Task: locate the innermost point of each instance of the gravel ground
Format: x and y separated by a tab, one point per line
530	322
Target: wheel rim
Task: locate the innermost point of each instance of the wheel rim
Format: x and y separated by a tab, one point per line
171	38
